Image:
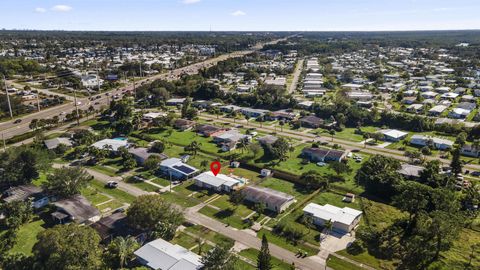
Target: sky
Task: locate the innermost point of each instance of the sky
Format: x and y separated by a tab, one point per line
240	15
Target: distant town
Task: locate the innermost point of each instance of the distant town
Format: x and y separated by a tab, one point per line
338	150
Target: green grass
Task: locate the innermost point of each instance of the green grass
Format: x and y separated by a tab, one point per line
369	260
184	240
242	265
120	195
339	264
27	236
142	185
94	196
105	170
252	255
282	242
208	234
459	254
225	216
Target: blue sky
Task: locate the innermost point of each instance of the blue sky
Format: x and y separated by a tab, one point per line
240	15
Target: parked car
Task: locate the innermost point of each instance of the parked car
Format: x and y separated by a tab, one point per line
17	121
111	184
321	164
475	173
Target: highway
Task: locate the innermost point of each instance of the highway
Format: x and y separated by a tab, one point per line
9	129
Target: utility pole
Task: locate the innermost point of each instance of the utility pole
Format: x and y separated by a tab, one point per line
38	100
141	68
98	78
8	97
4	144
76	105
134	88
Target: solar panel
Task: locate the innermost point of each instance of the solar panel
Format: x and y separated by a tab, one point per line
184	169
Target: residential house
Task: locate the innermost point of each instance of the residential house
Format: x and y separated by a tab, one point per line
459	113
111	144
219	182
323	154
175	101
209	130
343	220
437	110
393	135
174	168
411	172
437	143
228	140
183	124
55	142
311	121
470	150
77	209
141	154
26	192
267	140
162	255
275	201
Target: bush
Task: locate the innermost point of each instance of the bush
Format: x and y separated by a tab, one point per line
356	247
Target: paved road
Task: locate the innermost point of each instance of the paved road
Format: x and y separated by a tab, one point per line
296	76
191	215
9	129
347	145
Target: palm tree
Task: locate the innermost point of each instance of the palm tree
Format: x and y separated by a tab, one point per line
332	133
328	225
193	147
243	143
201	244
123	248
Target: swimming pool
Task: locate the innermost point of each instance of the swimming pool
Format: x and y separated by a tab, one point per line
120	139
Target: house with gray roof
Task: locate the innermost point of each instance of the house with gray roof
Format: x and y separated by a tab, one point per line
275	201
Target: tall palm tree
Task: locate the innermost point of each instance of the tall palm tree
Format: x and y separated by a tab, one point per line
123	249
243	143
193	147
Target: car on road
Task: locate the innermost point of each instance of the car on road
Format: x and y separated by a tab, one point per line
119	210
111	184
475	173
17	121
96	103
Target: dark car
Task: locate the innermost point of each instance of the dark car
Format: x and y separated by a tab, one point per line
17	121
475	173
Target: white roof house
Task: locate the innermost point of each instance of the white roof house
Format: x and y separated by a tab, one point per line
110	143
393	134
343	219
219	182
176	168
162	255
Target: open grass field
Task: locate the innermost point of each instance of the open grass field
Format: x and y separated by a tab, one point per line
252	255
27	236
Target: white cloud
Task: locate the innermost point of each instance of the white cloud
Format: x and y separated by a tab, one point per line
238	13
40	10
188	2
62	8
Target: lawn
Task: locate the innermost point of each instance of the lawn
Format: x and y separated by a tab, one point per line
339	264
459	254
252	255
184	240
209	234
119	195
227	215
141	185
27	236
282	242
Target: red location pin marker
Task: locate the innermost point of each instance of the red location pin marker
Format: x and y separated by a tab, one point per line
215	167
